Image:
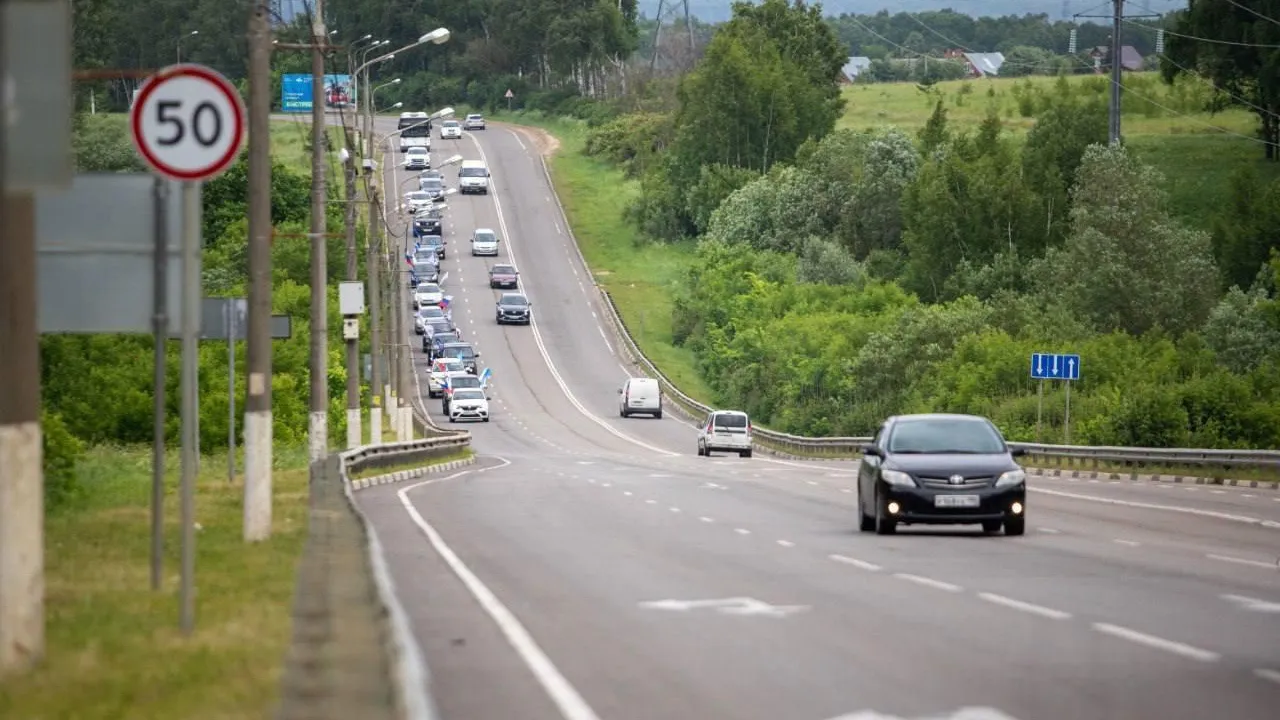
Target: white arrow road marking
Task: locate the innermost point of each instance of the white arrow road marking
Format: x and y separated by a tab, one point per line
968	713
726	606
1248	603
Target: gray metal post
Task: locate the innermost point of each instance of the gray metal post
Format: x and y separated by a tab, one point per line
374	264
231	392
1039	409
1117	22
190	406
160	323
1066	423
319	424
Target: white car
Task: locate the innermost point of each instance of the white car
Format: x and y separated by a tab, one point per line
484	241
475	121
433	313
417	200
439	369
469	404
450	130
640	395
417	158
427	294
726	431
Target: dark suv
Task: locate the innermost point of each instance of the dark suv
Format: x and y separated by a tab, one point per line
514	308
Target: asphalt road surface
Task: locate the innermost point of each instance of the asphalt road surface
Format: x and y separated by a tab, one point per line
593	567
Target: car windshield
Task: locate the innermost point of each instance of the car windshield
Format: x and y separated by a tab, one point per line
432	311
471	172
486	236
460	351
514	300
468	394
475	117
431	184
450	365
464	381
417	195
428	288
731	421
503	270
417	151
432	240
944	435
451	123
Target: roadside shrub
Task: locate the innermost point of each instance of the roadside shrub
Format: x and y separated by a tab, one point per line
62	453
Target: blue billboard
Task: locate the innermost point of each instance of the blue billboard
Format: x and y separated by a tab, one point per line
295	92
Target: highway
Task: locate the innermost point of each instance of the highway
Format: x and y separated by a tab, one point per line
593	567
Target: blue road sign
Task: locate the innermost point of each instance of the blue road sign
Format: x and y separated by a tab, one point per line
1055	366
295	92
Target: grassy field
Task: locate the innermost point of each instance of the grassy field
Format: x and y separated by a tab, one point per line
114	649
1196	151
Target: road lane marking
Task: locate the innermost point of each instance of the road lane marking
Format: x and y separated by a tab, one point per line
1266	674
650	502
1129	543
860	564
627	493
1040	610
1157	643
1167	508
1048	531
1244	561
928	582
566	697
537	336
742	531
786	543
675	509
706	519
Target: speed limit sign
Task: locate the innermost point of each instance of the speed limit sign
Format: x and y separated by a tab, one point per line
188	122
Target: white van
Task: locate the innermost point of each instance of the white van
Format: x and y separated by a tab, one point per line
725	430
640	395
473	177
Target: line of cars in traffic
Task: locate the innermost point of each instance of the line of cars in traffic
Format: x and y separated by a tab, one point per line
926	469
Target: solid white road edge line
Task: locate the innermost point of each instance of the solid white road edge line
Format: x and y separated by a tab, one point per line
566	698
1167	508
537	336
1244	561
1265	674
1158	643
1040	610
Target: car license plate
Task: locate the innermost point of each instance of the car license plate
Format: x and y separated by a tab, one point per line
956	501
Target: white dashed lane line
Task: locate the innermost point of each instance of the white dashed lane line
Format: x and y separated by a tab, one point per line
929	582
1026	607
1157	643
860	564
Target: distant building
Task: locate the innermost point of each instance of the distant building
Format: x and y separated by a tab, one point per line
980	64
855	66
1130	58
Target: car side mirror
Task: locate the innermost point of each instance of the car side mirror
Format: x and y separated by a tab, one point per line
1017	451
619	391
871	450
486	397
477	354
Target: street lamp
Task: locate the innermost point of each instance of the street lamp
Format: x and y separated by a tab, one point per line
438	36
351	53
391	107
385	84
184	37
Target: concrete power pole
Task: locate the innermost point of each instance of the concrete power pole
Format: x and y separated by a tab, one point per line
354	431
22	636
257	416
319	425
1117	22
373	264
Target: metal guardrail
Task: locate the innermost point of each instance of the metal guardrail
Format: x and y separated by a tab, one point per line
353	654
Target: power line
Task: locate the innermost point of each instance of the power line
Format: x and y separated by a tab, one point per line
1196	38
1251	11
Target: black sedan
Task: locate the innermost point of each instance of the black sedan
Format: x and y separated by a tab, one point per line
941	470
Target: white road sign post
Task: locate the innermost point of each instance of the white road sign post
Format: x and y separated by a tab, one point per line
188	124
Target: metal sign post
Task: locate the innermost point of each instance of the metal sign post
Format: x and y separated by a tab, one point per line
1054	366
188	124
231	393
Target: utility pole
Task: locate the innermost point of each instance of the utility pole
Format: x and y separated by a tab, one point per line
354	431
22	635
1117	22
406	362
258	436
373	263
319	423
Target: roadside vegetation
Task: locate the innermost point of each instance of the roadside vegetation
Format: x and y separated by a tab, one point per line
914	250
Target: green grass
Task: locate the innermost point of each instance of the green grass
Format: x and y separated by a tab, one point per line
1196	151
114	649
639	276
291	143
388	469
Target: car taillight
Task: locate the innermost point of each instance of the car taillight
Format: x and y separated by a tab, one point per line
748	426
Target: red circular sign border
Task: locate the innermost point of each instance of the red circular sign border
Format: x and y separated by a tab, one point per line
218	81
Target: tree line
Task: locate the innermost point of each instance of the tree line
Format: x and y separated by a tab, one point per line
841	276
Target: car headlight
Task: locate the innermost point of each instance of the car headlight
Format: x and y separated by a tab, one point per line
1011	479
897	477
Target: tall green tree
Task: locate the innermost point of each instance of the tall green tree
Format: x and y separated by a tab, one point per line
1237	46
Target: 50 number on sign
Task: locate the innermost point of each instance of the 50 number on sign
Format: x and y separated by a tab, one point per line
188	123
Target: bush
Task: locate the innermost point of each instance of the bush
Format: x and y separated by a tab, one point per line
62	454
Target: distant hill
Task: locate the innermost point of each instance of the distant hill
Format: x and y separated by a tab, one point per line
719	10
